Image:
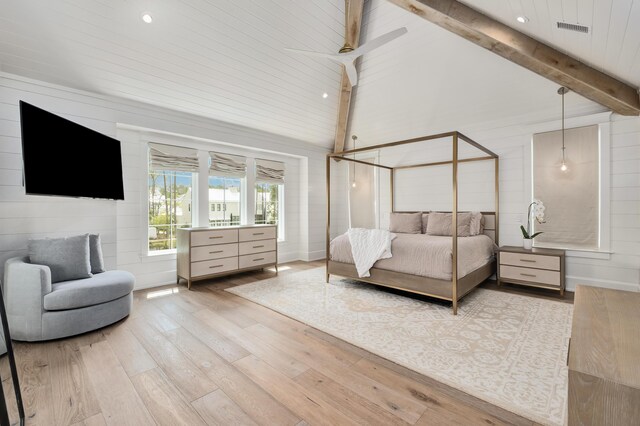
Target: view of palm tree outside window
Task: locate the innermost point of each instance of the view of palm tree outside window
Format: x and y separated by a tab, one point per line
225	201
267	205
170	202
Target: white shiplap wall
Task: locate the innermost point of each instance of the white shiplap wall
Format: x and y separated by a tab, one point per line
23	217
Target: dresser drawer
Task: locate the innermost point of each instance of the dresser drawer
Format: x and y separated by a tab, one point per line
534	276
221	236
216	266
250	247
530	260
213	252
253	234
268	258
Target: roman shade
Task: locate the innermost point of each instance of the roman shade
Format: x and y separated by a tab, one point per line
172	158
269	171
227	165
572	197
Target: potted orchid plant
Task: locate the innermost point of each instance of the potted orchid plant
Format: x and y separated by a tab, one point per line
536	209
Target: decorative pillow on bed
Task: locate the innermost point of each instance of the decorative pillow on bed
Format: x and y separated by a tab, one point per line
406	223
476	227
440	224
425	220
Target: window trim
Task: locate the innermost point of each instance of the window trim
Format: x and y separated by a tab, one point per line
603	121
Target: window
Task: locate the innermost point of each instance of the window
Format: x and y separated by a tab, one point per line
170	193
267	203
572	197
170	207
226	175
225	194
269	191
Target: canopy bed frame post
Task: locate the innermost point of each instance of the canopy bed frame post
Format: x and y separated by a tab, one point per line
391	173
328	217
454	225
497	199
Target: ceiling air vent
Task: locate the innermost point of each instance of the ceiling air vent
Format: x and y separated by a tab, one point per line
573	27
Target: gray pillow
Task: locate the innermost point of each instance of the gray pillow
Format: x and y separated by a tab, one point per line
95	254
476	226
425	221
440	224
68	258
406	223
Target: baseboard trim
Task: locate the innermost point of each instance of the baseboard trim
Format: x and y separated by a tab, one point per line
313	255
615	285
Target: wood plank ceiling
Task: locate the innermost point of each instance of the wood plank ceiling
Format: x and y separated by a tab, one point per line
220	59
437	81
612	44
226	60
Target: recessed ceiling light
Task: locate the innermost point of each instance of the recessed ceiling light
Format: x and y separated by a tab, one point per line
147	18
522	19
325	95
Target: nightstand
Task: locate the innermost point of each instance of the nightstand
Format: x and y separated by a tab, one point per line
537	267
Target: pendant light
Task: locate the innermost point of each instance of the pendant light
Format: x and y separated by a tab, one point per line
562	91
353	181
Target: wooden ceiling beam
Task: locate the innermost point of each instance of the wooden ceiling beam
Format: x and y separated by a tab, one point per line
353	21
527	52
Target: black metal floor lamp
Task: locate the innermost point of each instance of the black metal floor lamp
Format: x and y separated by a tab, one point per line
4	414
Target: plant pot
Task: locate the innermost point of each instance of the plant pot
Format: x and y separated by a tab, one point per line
527	243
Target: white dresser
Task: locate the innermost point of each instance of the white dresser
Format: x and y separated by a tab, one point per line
209	252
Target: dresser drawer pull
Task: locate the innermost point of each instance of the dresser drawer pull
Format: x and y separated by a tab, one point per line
258	246
217	251
217	236
258	233
215	266
258	259
527	260
527	275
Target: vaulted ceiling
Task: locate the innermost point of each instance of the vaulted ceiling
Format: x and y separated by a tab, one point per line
220	59
226	60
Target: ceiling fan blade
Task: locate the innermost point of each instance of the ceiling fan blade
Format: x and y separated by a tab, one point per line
352	73
315	54
378	41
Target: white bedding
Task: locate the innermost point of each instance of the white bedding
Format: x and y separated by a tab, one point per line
368	246
424	255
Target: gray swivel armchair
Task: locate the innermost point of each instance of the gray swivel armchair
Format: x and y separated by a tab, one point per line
40	310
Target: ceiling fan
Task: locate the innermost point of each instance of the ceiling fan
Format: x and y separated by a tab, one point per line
348	55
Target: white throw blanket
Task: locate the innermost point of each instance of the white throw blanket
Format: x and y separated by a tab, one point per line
368	246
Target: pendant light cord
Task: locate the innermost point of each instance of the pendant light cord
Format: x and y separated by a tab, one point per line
354	137
563	147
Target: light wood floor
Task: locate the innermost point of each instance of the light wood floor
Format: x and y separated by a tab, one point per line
209	357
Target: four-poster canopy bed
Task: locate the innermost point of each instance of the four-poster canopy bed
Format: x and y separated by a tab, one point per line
458	286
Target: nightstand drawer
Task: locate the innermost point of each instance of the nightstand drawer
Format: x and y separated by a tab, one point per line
530	260
534	276
222	236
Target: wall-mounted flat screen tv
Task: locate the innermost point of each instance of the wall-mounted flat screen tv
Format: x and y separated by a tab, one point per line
63	158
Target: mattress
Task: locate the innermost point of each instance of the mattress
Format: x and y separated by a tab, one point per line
424	255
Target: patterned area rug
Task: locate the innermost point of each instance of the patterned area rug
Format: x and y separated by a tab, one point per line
506	349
